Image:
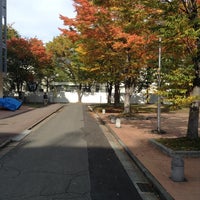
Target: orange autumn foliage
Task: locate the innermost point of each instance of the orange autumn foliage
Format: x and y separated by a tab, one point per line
39	52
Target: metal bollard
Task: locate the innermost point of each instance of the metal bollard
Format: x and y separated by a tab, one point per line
177	169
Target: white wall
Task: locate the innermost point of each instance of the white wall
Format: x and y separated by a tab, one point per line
72	97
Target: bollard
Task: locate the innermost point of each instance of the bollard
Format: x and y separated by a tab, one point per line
113	119
177	169
103	111
118	123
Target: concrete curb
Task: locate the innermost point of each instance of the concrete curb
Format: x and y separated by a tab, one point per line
26	132
171	153
45	117
5	143
164	195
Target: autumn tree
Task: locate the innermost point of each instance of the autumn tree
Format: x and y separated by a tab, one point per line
86	31
28	62
42	64
112	43
132	41
19	60
67	57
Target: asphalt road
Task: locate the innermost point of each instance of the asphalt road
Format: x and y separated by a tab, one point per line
67	157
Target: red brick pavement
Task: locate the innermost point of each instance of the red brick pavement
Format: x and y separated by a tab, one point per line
135	134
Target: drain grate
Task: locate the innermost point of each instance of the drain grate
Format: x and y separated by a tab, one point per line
145	187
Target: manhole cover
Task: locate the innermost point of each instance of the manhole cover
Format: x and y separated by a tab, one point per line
145	187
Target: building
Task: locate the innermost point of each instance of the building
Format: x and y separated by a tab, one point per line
3	38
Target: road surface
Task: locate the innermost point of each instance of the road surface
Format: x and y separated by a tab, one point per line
65	157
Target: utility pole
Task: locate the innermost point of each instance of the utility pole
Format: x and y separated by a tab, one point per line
3	38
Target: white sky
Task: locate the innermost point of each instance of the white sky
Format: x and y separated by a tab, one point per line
38	18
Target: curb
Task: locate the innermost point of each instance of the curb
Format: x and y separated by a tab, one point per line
5	143
26	132
45	117
171	153
164	195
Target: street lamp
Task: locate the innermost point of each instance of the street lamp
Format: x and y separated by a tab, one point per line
159	84
158	130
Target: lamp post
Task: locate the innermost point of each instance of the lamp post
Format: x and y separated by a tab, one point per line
159	84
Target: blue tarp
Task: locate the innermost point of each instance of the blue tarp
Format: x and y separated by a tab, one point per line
10	103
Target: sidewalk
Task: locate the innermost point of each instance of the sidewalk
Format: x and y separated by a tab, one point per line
13	123
134	135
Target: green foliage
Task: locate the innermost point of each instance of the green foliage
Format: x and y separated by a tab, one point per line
68	57
61	48
177	81
179	101
11	32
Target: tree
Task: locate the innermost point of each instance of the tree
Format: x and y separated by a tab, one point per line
191	10
11	32
19	60
180	31
67	56
132	40
113	44
42	64
28	62
87	33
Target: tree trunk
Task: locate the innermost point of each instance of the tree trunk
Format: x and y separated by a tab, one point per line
127	96
80	93
117	94
192	131
109	88
193	120
147	95
47	85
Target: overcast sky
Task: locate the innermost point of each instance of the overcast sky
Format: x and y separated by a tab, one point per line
38	18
